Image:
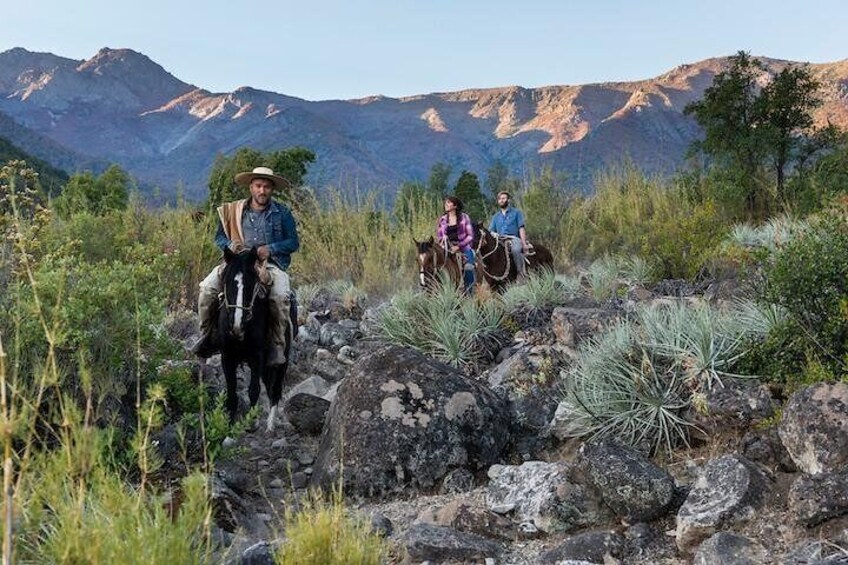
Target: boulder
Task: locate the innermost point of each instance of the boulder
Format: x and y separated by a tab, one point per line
726	548
427	542
726	491
531	399
763	446
814	499
736	404
544	495
404	421
463	516
633	487
592	547
306	413
229	510
814	427
573	325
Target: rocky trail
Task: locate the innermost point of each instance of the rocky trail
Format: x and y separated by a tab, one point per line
458	468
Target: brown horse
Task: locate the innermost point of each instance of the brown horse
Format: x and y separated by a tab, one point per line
496	263
435	262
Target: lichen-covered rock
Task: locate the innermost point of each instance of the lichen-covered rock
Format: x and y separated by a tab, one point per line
814	428
727	490
428	542
635	488
592	547
544	495
814	499
401	420
726	548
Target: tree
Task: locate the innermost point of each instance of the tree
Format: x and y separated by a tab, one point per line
787	105
95	194
730	113
413	201
437	182
467	189
289	163
748	129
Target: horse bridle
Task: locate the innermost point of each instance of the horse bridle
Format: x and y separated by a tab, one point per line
257	289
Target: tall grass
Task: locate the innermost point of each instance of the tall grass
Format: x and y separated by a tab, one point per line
324	532
67	497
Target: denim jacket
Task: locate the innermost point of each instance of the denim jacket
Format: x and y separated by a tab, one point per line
280	233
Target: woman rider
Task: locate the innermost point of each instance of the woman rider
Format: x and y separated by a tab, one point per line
456	233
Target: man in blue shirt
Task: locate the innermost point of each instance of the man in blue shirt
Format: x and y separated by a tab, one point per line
509	222
268	225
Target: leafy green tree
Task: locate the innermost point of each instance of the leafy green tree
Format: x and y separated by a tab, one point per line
437	182
749	130
467	189
97	195
414	200
730	113
289	163
787	105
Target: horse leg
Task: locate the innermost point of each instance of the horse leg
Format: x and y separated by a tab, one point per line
257	373
230	366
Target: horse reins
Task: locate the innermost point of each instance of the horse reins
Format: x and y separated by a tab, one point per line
507	254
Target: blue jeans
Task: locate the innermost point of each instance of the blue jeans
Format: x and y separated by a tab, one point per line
468	272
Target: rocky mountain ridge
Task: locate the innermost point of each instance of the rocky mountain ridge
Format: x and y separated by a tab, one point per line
120	106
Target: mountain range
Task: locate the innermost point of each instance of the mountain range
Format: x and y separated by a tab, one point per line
120	106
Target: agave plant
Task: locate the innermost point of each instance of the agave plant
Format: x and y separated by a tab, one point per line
619	389
445	325
604	276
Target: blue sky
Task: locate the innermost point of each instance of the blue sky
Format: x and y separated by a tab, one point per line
323	49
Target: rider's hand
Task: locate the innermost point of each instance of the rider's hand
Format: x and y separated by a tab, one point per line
236	247
455	248
263	252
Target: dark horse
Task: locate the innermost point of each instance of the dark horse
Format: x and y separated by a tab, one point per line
495	260
244	332
434	261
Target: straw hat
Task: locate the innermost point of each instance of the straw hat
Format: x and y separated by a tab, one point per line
244	179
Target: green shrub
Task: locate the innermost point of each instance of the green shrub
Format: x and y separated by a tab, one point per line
809	278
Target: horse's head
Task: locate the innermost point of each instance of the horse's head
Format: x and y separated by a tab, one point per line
426	257
241	287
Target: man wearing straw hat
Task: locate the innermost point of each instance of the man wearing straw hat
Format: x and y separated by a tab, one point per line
268	225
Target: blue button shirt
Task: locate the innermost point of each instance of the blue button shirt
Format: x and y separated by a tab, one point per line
507	223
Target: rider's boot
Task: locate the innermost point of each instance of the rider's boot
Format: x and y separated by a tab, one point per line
206	345
281	332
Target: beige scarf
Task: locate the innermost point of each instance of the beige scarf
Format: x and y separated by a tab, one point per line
230	214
